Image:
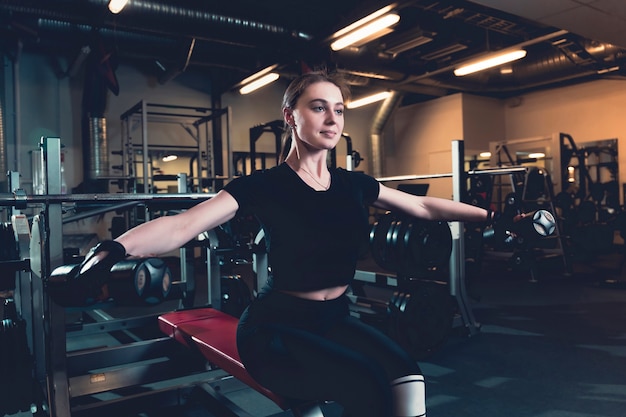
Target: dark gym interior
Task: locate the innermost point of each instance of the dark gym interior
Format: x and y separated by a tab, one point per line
520	318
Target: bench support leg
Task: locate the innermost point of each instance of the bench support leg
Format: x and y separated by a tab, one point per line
308	410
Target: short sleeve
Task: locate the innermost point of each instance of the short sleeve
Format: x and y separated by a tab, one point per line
242	189
369	186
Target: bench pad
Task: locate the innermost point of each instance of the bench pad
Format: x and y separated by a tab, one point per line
214	334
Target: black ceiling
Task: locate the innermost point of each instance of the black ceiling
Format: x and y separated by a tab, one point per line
230	40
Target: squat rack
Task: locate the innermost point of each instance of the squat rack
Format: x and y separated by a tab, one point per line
194	122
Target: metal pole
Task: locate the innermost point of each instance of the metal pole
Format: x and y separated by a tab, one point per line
56	337
17	200
457	258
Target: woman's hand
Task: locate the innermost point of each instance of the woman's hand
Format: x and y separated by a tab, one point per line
85	284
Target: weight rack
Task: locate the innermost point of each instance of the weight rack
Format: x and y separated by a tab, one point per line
67	376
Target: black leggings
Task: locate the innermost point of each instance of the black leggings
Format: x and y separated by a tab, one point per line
314	350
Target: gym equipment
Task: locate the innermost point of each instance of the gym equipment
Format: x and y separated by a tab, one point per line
420	313
213	334
128	282
125	356
410	245
78	376
83	284
236	295
16	363
421	316
199	123
530	226
9	257
137	282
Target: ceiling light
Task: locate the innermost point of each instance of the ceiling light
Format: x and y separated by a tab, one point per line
485	154
607	70
408	45
370	27
116	6
448	50
368	99
258	80
363	21
258	83
169	158
536	155
492	60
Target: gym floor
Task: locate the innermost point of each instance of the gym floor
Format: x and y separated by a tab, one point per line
552	347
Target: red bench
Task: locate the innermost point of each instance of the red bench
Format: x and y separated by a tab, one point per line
213	333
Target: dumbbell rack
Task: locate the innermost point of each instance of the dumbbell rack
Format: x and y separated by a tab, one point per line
456	269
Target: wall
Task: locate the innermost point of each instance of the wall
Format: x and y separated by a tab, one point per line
416	140
483	122
420	141
588	112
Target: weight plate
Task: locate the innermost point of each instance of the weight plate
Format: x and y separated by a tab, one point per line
421	318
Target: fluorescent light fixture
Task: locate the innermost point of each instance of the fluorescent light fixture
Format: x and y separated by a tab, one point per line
258	80
607	70
408	45
537	155
492	60
116	6
363	21
258	83
371	25
258	74
169	158
485	154
443	52
368	99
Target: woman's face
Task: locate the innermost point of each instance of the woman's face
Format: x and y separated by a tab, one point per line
318	116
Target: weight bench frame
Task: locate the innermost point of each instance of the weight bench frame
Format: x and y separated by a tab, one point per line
213	333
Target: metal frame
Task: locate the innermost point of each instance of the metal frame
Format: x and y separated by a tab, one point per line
457	285
64	376
144	113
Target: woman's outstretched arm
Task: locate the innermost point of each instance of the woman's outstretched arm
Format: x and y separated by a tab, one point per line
429	208
167	233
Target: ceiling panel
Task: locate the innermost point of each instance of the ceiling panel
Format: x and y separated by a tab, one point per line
228	41
601	20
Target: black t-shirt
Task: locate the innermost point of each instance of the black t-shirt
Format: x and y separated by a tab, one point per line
313	237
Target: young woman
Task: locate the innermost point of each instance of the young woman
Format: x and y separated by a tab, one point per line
298	338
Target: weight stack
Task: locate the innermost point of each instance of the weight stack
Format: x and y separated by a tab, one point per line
16	364
8	252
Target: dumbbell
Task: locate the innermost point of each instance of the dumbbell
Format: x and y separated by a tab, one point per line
526	227
144	281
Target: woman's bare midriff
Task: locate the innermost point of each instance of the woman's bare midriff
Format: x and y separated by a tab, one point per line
320	295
